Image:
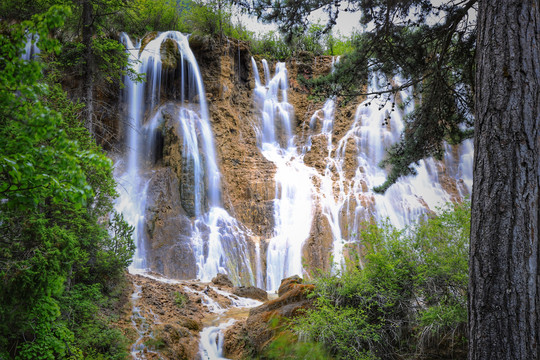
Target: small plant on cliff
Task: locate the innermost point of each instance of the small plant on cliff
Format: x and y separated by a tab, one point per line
180	299
408	298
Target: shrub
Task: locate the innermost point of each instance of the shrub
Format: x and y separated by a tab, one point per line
180	299
408	298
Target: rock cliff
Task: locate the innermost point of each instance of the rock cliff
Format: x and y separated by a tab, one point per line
341	174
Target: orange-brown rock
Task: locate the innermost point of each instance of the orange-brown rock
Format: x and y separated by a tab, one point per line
318	247
259	327
170	318
251	292
222	280
237	343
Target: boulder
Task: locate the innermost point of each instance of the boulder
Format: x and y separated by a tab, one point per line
251	292
222	280
288	283
259	328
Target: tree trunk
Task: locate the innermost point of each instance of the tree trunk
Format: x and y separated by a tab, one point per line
88	76
504	286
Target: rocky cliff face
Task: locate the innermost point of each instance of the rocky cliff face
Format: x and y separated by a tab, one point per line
248	186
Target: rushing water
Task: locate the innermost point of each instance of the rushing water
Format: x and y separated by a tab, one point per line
346	202
31	49
293	204
338	195
134	170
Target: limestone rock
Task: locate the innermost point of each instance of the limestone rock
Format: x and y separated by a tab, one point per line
236	345
170	54
251	292
170	252
257	331
288	284
222	280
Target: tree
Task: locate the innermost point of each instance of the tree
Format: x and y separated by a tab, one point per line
56	189
504	288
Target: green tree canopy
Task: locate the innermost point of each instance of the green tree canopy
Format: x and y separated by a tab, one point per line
59	237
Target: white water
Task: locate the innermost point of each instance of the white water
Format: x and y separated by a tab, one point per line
293	204
211	344
226	237
219	242
212	337
31	50
346	203
376	127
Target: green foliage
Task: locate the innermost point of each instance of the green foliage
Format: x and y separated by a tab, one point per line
142	16
287	346
93	336
408	297
58	258
180	299
213	18
271	46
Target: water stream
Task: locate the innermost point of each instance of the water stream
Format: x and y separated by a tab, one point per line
293	204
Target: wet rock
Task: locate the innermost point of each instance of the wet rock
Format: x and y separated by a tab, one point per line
236	344
222	280
258	330
318	247
190	323
251	292
178	342
288	284
170	54
147	38
170	250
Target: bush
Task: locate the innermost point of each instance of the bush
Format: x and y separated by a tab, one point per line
408	298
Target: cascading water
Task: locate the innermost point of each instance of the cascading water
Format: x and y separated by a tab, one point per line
217	241
376	127
214	234
30	49
345	201
293	202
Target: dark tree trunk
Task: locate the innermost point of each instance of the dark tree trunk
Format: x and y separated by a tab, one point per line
504	287
88	74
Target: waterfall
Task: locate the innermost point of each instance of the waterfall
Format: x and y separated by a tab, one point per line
345	201
214	235
376	126
293	202
335	198
30	49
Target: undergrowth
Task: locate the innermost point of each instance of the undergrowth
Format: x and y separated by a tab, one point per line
404	298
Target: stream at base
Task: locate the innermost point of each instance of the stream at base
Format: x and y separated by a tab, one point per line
153	316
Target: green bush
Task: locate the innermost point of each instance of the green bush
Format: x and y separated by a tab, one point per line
287	346
180	299
60	261
407	297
